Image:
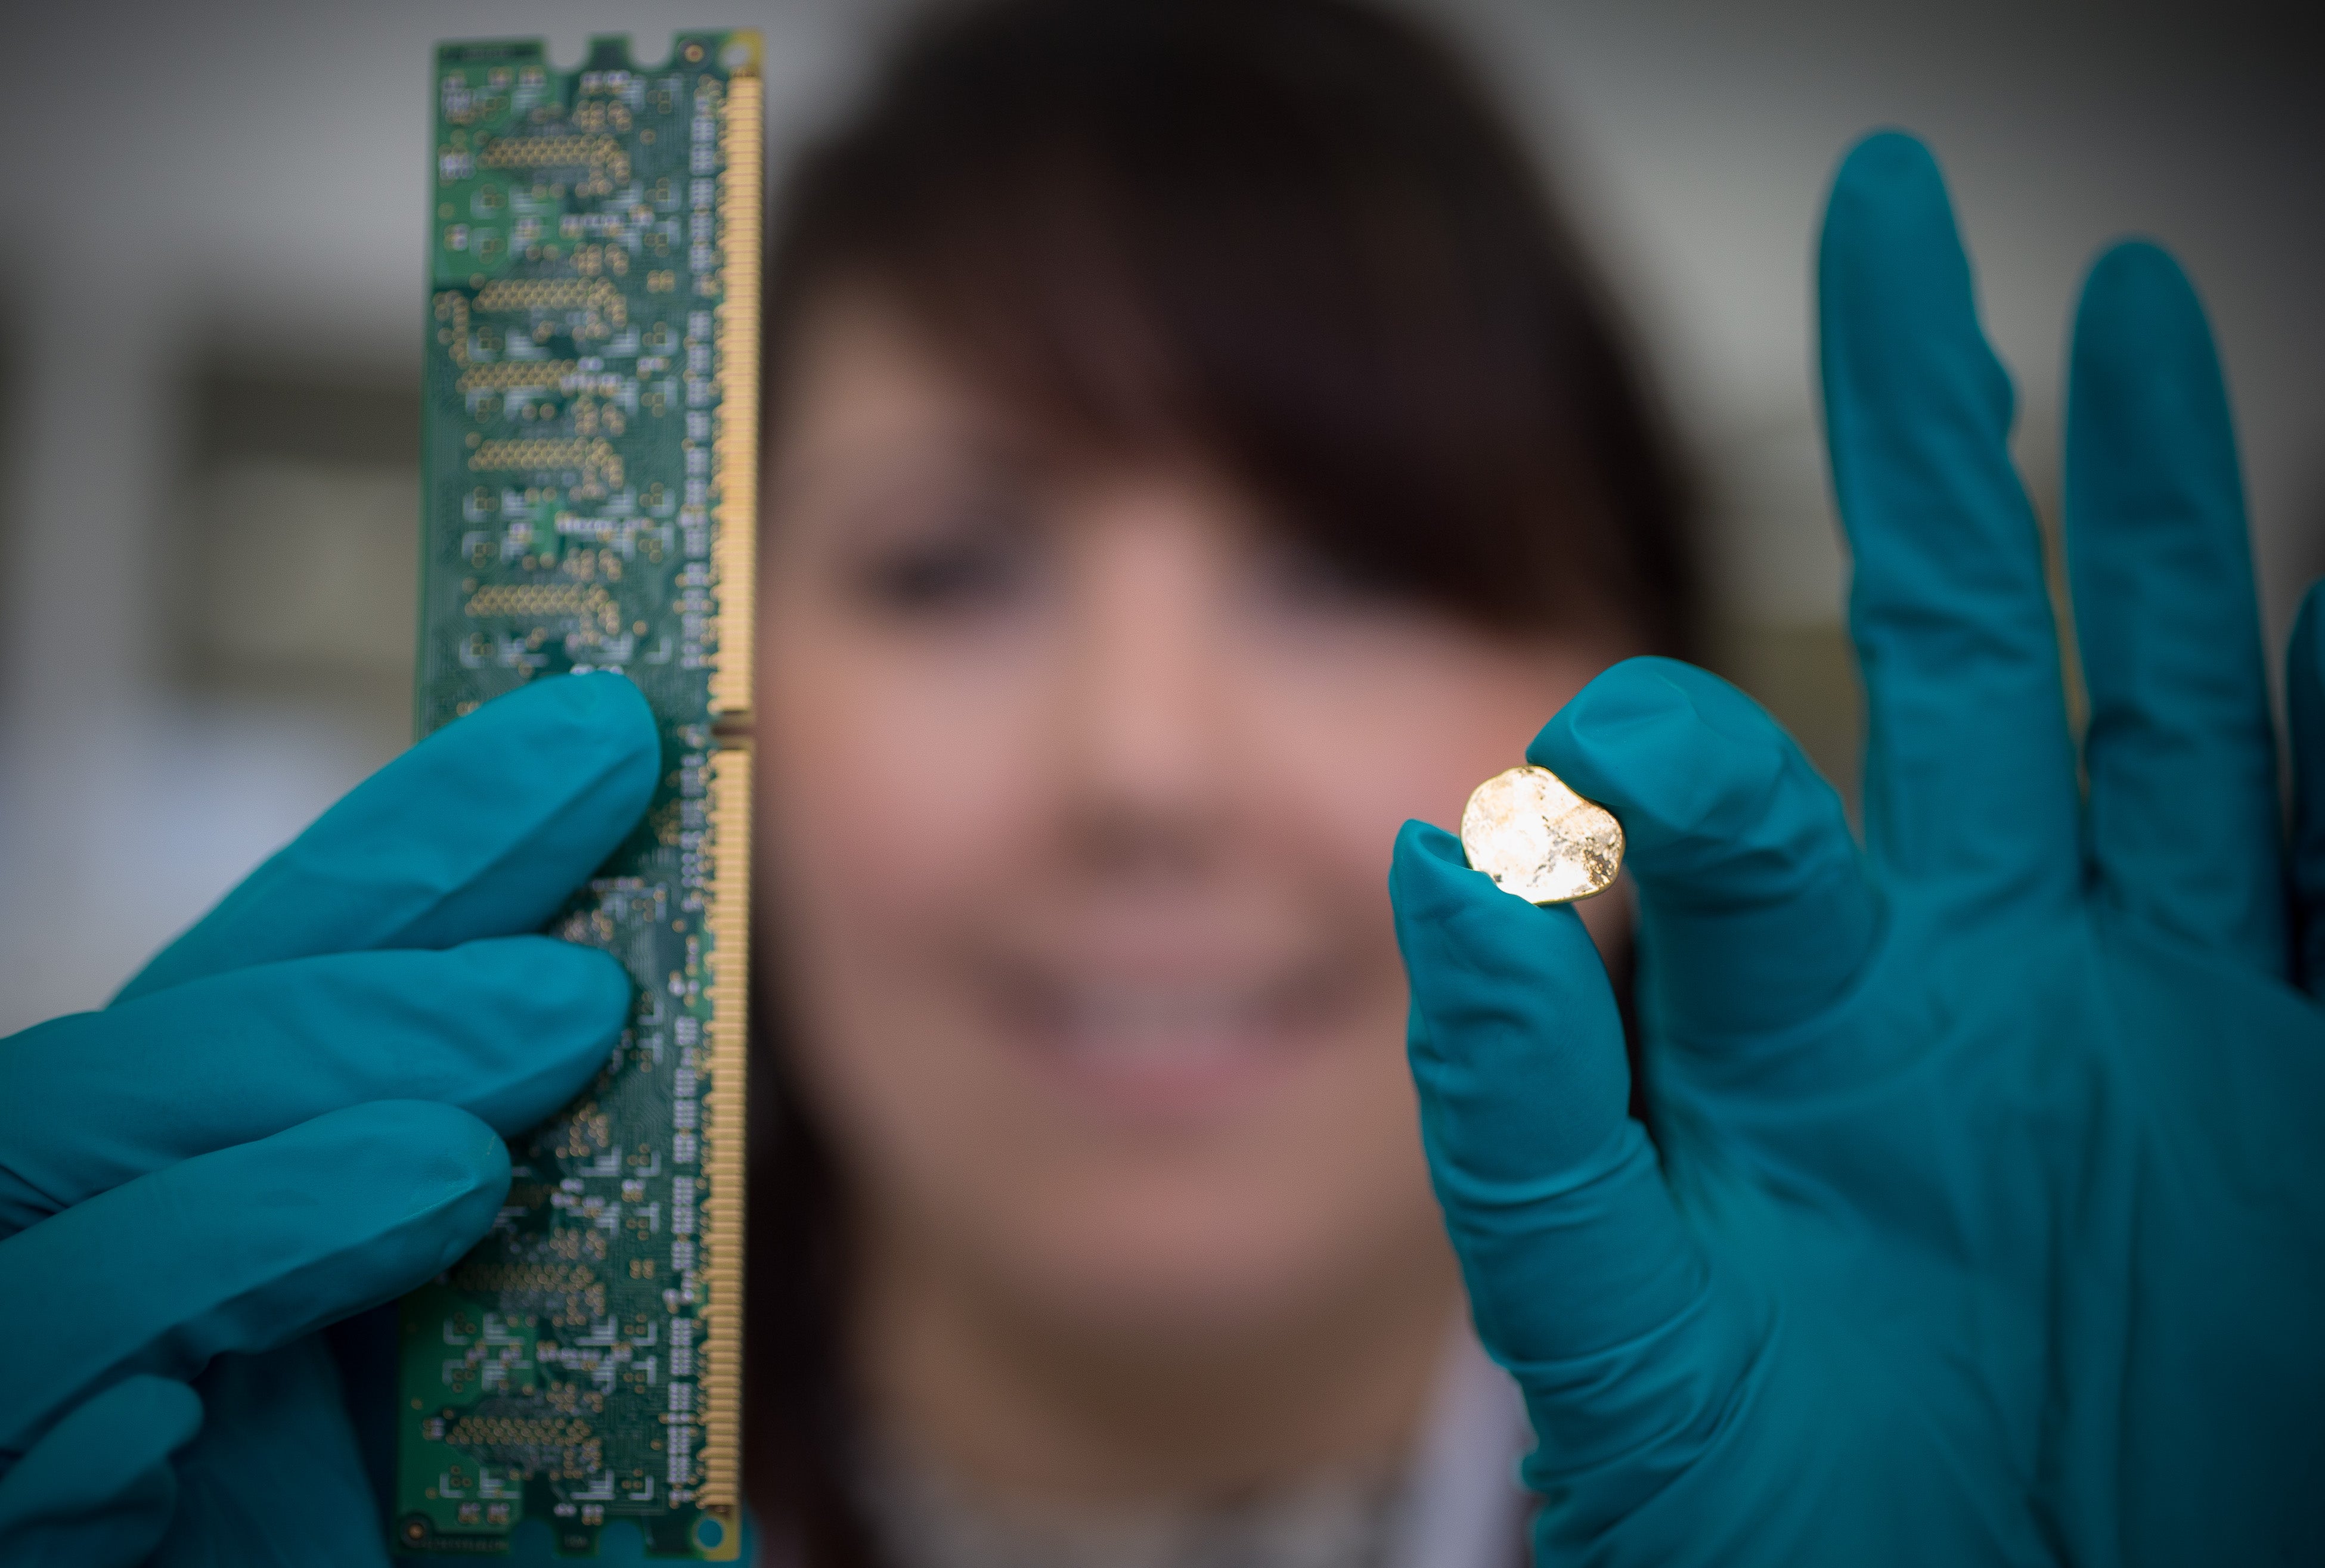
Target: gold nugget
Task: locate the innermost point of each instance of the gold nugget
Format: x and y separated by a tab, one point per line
1539	840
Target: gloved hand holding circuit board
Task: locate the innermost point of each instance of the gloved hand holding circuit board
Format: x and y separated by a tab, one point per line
296	1113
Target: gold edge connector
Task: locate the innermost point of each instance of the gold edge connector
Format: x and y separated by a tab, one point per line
734	546
735	457
720	1381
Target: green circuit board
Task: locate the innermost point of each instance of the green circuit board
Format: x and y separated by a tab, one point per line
572	1388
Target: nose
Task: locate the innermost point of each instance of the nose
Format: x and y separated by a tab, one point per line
1148	702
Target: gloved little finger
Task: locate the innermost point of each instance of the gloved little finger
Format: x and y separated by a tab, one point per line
483	829
1583	1280
241	1249
507	1029
278	1470
1753	899
2304	701
99	1490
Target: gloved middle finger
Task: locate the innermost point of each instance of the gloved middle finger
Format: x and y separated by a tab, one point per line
1969	777
507	1030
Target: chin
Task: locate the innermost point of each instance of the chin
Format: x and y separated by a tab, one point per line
1181	1167
1212	1263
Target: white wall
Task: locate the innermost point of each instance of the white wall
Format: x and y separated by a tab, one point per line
246	177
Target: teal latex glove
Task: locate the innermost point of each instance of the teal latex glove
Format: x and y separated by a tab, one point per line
293	1113
1984	1217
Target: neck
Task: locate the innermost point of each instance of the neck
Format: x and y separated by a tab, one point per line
1041	1415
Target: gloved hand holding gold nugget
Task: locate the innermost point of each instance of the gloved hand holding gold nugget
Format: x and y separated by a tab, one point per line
1983	1215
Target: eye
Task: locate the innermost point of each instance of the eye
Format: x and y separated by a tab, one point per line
961	554
945	574
1297	575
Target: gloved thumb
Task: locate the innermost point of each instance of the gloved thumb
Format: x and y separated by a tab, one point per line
1583	1277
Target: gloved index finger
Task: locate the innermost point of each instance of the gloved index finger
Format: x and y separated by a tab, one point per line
481	830
1752	897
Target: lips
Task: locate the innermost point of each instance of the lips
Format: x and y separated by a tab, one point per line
1170	1048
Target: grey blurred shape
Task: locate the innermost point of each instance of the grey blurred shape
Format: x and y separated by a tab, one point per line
299	536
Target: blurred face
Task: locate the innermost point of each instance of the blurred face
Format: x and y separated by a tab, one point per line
1077	787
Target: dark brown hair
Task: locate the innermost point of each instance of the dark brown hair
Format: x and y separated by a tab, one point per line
1290	236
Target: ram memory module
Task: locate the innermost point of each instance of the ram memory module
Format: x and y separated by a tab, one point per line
591	449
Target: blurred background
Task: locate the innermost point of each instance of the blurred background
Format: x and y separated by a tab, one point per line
210	325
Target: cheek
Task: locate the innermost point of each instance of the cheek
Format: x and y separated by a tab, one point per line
895	793
1358	738
891	784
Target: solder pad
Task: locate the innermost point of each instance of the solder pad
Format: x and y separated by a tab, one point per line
590	436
